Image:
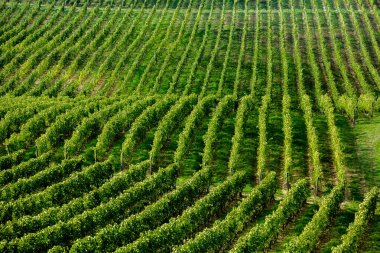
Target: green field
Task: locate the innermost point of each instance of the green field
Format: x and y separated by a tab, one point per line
190	126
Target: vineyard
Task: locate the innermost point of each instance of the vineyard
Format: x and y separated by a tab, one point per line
190	126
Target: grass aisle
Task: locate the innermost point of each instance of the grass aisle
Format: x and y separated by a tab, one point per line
367	134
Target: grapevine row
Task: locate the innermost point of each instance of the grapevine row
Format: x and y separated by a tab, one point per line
14	119
213	53
192	122
69	48
241	52
255	50
265	102
36	125
80	225
39	180
190	220
25	169
105	65
153	37
11	159
222	110
18	50
349	50
169	123
358	30
153	59
37	50
222	233
65	124
244	108
119	123
228	51
59	51
199	53
185	53
150	117
91	125
118	183
307	109
60	193
111	81
171	204
328	207
12	28
356	230
286	104
164	65
261	236
22	32
338	58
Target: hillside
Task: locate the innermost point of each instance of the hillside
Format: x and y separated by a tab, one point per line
190	126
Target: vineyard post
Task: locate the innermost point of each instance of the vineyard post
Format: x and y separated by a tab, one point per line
36	150
316	186
95	155
355	115
150	165
121	160
287	181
